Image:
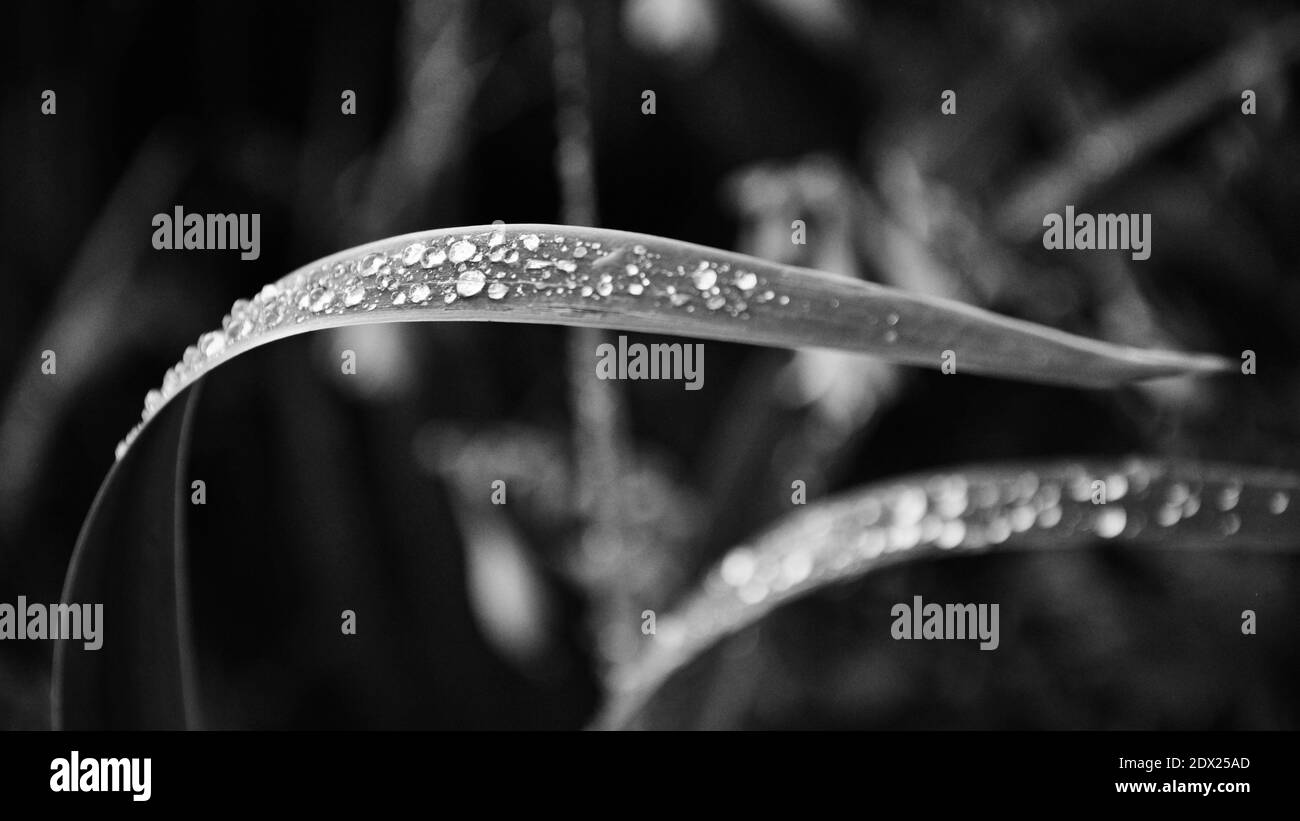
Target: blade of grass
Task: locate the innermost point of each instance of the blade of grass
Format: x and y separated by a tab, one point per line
600	278
131	559
1154	503
1120	141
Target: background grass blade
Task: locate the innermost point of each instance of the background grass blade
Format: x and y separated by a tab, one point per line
1170	505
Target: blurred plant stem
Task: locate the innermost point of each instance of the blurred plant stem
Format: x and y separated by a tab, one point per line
600	418
78	328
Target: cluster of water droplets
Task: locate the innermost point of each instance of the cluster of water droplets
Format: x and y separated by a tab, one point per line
487	266
841	539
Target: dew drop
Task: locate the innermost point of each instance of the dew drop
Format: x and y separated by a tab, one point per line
530	241
704	278
716	302
496	238
753	593
1229	496
399	298
1116	486
871	543
470	282
910	506
433	256
1177	493
371	263
954	530
746	280
1022	518
212	343
449	297
1081	488
795	568
632	270
497	290
461	250
236	327
273	314
635	289
580	251
413	253
1278	504
999	530
320	299
419	292
605	288
1110	522
568	266
678	299
354	295
152	401
738	567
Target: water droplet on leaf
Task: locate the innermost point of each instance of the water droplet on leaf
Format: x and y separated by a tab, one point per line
413	253
433	256
470	282
461	250
321	299
704	278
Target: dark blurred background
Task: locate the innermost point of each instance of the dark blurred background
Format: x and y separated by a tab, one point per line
328	492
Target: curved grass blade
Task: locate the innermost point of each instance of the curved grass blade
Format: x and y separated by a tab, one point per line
561	275
130	558
1171	505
